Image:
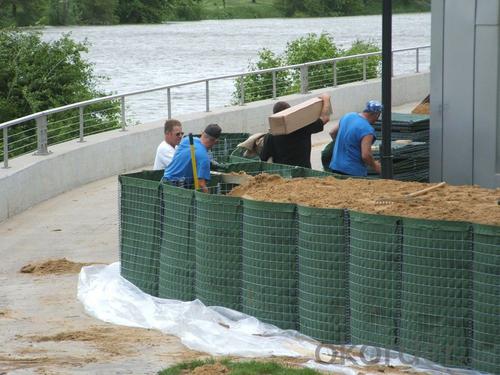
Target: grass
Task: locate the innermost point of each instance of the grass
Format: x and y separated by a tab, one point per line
243	9
214	9
238	368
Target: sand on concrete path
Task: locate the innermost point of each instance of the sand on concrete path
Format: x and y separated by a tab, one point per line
43	327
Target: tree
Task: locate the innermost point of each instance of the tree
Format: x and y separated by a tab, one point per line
37	75
63	12
352	70
312	47
98	12
260	86
22	12
185	10
142	11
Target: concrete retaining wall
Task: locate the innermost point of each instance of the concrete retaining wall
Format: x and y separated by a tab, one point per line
32	179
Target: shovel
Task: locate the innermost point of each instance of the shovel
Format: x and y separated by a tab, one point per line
407	197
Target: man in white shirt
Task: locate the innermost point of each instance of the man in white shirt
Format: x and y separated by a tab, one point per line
165	151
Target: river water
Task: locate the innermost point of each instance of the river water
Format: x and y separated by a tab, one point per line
135	57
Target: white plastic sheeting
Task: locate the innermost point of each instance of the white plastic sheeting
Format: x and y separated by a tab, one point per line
221	331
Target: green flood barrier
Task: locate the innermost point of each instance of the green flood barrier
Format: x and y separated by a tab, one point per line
219	224
375	279
427	288
227	144
140	229
270	275
178	251
323	282
436	319
486	306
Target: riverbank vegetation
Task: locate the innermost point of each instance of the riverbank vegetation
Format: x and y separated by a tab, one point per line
108	12
312	47
37	75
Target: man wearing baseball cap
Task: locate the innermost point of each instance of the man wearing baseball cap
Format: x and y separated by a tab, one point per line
354	136
180	172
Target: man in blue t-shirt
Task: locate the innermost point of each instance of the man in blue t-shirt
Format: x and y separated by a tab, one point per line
354	136
180	171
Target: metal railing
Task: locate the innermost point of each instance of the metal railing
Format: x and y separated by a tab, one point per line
37	135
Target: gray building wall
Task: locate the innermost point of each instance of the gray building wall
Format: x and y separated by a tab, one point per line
465	84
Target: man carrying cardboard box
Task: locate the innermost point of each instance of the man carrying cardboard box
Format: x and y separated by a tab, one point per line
294	148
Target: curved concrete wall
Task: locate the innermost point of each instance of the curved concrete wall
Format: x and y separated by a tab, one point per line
32	179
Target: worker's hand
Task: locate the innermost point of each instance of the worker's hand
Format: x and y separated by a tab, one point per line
325	97
325	111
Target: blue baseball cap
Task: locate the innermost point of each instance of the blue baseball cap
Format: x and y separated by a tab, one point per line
373	106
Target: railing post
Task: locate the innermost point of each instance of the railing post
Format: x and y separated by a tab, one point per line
169	103
334	74
242	91
274	84
5	148
41	136
81	124
304	81
124	121
364	69
207	96
417	70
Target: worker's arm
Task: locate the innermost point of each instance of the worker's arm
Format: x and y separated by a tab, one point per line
203	185
325	111
334	131
267	148
366	153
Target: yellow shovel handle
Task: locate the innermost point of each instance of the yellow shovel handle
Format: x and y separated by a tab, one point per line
193	162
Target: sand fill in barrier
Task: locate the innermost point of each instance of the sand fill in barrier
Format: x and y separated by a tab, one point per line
450	203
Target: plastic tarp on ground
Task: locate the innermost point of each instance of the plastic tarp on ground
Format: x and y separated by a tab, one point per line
220	331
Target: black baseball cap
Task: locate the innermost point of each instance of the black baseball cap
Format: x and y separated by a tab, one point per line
213	130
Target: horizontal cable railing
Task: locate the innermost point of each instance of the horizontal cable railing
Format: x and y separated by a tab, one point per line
36	132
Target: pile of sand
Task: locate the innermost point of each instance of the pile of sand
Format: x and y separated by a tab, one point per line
453	203
53	266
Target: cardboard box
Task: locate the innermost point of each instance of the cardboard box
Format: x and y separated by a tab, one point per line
295	117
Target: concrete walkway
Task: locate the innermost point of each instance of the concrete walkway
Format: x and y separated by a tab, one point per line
43	327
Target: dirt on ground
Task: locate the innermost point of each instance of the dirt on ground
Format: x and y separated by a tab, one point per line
53	266
109	343
451	203
5	314
113	340
209	369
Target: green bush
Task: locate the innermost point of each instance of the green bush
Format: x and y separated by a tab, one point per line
260	86
312	47
36	76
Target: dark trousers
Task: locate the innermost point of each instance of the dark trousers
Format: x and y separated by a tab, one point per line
183	183
339	172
